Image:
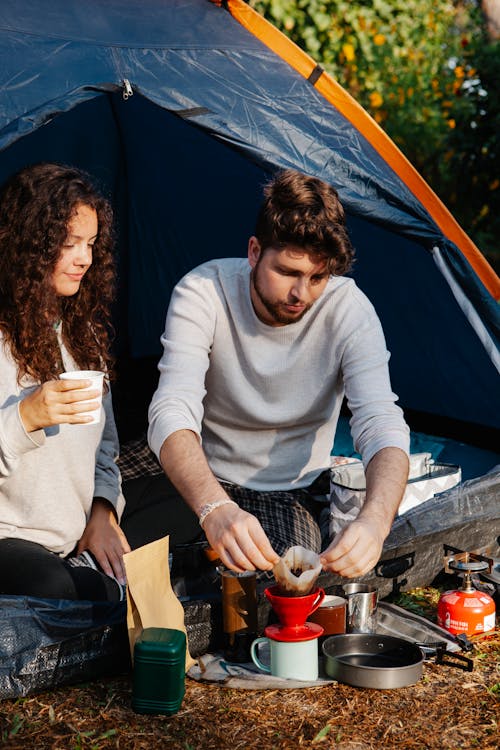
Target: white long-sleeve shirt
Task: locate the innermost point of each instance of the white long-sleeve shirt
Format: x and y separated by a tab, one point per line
48	478
265	400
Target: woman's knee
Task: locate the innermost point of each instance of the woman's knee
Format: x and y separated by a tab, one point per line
28	569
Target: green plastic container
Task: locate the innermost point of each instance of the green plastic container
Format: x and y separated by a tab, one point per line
159	671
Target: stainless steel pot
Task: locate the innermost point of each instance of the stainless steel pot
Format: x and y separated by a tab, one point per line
372	661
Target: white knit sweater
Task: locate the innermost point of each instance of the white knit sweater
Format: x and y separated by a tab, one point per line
266	399
48	478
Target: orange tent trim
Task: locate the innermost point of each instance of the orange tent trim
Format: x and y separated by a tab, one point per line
366	125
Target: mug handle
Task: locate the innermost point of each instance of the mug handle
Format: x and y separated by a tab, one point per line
255	658
317	602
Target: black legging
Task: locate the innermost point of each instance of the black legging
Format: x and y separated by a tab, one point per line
28	569
154	509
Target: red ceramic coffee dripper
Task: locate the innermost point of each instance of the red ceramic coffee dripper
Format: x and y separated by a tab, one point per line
293	611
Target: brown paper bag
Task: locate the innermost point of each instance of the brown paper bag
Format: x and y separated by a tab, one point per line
151	603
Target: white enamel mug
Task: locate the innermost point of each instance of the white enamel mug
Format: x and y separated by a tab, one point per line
293	660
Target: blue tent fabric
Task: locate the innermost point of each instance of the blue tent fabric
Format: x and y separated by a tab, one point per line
473	461
213	113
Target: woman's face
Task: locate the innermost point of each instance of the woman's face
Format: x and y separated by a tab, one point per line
76	253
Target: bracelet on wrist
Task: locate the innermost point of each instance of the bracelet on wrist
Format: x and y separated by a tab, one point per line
209	507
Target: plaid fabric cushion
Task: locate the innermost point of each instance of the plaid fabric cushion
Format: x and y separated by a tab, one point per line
288	517
138	460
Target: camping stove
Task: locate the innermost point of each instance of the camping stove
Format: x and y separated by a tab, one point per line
467	610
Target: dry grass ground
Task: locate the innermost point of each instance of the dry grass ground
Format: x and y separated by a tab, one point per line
447	709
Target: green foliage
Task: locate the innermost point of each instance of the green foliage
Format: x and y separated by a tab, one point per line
15	727
89	740
421	601
322	733
471	175
424	71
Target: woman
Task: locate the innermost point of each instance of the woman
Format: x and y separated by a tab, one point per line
60	493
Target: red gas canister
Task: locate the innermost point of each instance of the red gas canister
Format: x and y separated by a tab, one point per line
466	610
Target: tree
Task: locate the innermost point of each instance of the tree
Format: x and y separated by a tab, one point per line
428	73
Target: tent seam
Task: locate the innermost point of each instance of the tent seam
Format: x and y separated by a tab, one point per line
124	45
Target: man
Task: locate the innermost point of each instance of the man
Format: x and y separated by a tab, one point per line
258	356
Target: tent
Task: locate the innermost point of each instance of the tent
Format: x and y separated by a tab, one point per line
182	109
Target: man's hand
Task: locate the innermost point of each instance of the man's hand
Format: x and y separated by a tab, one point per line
236	536
58	402
239	539
105	539
355	550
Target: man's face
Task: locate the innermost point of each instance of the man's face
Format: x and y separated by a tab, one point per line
284	283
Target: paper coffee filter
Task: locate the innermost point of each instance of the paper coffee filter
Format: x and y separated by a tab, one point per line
297	571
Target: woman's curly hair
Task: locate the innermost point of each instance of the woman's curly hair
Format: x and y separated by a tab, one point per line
304	211
36	206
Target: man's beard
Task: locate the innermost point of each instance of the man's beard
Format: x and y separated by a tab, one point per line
276	310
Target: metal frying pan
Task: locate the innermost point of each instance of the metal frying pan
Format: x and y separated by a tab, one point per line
372	660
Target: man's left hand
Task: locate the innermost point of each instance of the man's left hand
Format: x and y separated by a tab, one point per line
105	540
355	550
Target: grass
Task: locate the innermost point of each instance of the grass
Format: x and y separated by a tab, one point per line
447	709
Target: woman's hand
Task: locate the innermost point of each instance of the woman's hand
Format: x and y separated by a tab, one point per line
58	402
105	539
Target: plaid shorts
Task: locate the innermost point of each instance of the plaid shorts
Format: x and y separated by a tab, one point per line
289	517
138	460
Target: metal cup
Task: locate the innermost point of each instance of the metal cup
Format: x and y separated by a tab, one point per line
361	608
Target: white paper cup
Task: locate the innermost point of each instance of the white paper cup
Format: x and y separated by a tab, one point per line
97	378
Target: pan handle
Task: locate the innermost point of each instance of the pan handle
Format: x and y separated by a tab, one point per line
431	648
448	657
438	649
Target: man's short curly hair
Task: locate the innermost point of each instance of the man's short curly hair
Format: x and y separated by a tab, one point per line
306	212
